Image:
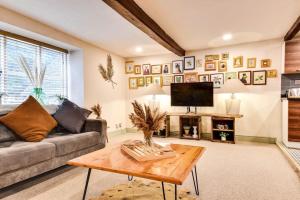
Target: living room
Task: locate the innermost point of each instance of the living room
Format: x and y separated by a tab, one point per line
219	79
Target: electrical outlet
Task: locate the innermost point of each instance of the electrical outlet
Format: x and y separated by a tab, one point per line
297	82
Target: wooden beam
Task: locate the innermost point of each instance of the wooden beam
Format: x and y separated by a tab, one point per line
136	15
293	30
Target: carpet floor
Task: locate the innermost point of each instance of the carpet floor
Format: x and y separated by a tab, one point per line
242	171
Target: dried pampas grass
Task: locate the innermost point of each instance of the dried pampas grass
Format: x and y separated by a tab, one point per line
97	110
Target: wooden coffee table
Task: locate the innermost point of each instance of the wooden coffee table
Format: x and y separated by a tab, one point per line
171	170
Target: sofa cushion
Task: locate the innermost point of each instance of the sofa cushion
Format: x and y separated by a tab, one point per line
69	143
7	137
23	154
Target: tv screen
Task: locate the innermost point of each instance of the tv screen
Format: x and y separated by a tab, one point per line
192	94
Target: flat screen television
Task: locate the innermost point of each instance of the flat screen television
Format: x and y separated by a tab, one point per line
192	94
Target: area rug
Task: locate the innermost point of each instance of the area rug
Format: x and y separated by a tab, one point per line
138	190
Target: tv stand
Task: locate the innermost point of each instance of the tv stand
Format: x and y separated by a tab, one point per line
188	110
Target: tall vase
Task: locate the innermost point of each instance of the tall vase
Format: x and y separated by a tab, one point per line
39	95
148	138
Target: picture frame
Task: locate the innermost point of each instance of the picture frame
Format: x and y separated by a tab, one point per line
212	57
148	80
167	80
222	67
140	81
272	73
146	69
203	78
178	78
137	69
259	77
129	67
230	75
166	68
210	66
251	63
245	77
225	56
157	80
132	82
217	79
199	63
177	67
190	77
189	62
155	69
266	63
238	62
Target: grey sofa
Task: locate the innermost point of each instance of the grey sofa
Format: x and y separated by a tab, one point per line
23	160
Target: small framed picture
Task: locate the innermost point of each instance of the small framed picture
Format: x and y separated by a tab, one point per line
166	68
155	69
177	67
132	81
245	77
129	67
190	77
265	63
251	63
148	80
259	77
178	79
217	79
230	75
146	69
137	69
210	66
212	57
199	63
225	56
167	80
203	78
272	73
189	63
222	66
238	61
140	81
157	80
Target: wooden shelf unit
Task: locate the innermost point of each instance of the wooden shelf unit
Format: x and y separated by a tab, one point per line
215	134
189	121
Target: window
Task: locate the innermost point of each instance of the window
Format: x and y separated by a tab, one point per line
14	81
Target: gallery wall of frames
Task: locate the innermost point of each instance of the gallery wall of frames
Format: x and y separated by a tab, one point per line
250	71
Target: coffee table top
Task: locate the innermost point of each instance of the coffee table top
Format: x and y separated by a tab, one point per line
171	170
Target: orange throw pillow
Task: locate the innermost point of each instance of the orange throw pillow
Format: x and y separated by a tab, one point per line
30	121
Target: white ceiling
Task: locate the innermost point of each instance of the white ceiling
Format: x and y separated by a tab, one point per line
193	24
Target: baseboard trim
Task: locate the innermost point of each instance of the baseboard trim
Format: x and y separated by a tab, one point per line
117	132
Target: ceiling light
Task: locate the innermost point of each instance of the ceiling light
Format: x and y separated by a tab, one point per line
138	49
227	36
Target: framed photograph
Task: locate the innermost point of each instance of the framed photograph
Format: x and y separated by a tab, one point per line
203	78
212	57
148	80
272	73
238	62
146	69
155	69
251	63
245	77
225	56
137	69
199	63
210	66
230	75
217	79
190	77
259	77
167	80
222	67
166	68
132	81
140	81
129	67
265	63
178	79
157	80
177	67
189	63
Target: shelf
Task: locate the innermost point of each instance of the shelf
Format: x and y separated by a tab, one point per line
227	141
224	130
189	138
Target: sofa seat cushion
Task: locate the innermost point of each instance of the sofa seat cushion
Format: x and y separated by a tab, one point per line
23	154
68	143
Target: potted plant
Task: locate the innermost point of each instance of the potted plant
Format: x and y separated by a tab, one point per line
223	136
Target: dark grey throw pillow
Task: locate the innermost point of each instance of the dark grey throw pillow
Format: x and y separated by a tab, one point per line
7	137
70	116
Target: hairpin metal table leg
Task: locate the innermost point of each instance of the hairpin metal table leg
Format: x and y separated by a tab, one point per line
130	178
195	180
163	190
175	192
86	183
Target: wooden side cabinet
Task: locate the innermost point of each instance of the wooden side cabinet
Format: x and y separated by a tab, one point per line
190	127
294	121
292	57
223	125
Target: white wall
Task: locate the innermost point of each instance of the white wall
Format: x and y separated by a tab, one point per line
261	106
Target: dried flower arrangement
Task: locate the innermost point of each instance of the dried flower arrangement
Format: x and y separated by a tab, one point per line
107	74
147	120
97	110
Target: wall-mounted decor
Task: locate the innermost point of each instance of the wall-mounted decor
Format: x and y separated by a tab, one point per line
166	68
108	73
251	62
199	63
230	75
190	77
129	67
225	56
148	80
189	63
238	61
146	69
259	77
140	81
203	78
245	77
137	69
178	79
132	81
272	73
212	57
217	79
222	66
167	80
210	66
155	69
157	80
177	67
265	63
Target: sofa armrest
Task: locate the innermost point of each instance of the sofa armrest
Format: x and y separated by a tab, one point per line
98	125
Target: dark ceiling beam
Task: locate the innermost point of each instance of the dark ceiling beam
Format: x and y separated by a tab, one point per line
293	30
136	15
